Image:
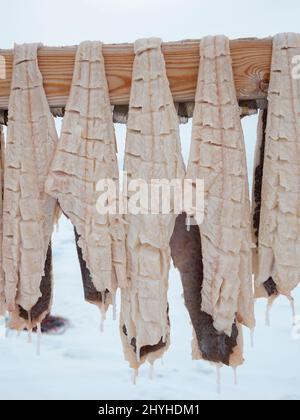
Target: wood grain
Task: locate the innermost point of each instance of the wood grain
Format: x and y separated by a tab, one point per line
251	64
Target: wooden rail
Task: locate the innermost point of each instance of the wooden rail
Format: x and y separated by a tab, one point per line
251	65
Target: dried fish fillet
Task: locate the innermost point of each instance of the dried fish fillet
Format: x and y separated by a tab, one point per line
187	256
152	152
43	306
277	223
2	283
86	154
29	213
218	157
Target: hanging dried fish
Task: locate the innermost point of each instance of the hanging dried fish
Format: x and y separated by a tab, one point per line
29	213
187	256
152	152
222	283
86	154
2	283
277	187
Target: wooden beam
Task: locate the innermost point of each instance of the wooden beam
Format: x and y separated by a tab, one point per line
251	65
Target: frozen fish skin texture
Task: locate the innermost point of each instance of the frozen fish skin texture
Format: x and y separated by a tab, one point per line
153	152
86	154
268	288
208	344
29	213
218	157
278	268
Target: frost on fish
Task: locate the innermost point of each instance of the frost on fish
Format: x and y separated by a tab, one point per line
28	212
153	151
87	154
278	267
2	284
218	157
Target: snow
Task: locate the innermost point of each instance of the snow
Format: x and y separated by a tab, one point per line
86	364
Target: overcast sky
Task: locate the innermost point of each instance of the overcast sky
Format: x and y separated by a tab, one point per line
58	22
68	22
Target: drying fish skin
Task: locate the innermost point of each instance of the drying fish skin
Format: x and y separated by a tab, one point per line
43	306
186	250
91	294
268	288
279	244
218	157
29	213
86	154
245	314
2	283
152	152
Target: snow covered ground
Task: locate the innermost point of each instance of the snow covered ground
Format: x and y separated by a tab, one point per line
87	364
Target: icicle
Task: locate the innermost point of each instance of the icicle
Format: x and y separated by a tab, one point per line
151	371
219	390
292	302
6	332
235	376
114	307
188	223
39	337
268	312
102	324
252	332
29	335
29	328
135	376
103	316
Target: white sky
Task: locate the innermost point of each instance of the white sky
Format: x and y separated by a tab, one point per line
61	22
68	22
